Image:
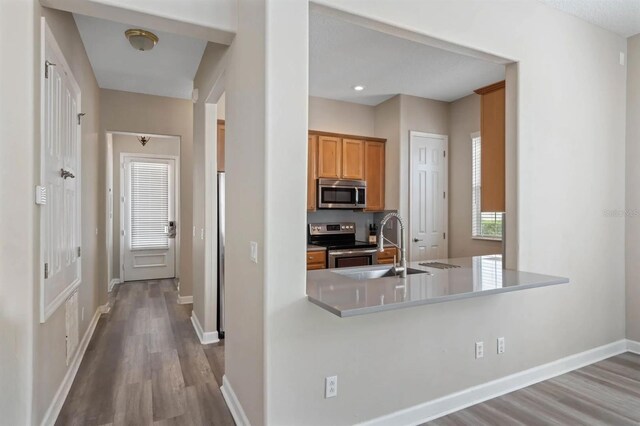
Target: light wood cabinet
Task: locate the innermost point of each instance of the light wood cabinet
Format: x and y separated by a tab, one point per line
329	157
374	164
316	260
492	133
386	257
352	159
220	150
312	172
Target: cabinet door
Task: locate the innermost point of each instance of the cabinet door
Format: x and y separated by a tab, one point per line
352	159
329	157
374	164
221	146
312	172
492	133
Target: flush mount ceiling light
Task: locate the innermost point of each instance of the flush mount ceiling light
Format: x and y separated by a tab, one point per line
141	39
358	88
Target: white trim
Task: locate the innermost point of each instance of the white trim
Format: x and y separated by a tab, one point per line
205	337
431	410
53	411
113	282
233	403
185	300
633	346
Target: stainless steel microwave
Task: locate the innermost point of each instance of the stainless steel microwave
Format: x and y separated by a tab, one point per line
342	194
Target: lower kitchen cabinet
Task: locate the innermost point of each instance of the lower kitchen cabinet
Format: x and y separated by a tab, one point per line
316	260
386	257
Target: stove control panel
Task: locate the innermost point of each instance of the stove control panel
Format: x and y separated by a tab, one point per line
332	228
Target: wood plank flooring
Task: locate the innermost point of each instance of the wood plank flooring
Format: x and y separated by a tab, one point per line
146	366
604	393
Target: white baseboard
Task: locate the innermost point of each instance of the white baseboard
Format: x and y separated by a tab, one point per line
113	282
431	410
185	300
633	346
205	337
53	411
233	403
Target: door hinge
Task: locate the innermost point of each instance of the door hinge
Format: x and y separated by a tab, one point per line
46	271
122	232
444	194
80	115
444	154
47	64
444	235
79	252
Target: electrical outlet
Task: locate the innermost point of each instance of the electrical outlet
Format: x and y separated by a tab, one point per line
501	346
253	246
479	350
331	386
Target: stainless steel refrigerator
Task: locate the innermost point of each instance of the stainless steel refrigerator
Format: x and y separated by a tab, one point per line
221	224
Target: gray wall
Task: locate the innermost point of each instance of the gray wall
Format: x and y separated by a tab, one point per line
394	360
632	195
464	119
129	144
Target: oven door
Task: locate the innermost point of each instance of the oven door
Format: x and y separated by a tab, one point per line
341	197
349	258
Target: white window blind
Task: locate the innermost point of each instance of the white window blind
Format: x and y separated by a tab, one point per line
149	205
483	224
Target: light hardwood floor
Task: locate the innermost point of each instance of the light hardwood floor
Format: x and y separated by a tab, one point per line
146	366
604	393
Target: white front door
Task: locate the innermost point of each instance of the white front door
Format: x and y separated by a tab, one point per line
428	197
60	180
149	211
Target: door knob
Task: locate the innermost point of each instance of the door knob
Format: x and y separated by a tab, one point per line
415	240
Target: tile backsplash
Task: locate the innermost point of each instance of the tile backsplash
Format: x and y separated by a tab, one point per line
361	219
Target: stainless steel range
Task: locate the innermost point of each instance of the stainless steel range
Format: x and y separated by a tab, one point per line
343	250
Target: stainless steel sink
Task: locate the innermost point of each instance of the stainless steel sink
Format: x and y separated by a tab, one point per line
362	274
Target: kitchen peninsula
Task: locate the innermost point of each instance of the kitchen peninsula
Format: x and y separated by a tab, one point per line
349	292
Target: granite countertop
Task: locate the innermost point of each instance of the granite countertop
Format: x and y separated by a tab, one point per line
313	247
336	291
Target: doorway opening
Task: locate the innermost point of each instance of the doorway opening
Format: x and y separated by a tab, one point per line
143	199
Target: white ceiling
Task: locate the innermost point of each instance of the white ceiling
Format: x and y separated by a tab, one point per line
166	70
620	16
343	55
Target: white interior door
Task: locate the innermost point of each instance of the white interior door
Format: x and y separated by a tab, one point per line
149	210
59	192
428	197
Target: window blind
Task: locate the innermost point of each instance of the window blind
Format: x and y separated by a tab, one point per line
483	224
149	205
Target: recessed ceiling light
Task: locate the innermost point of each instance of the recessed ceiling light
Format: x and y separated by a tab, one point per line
358	88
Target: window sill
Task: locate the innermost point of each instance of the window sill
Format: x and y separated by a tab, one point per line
487	239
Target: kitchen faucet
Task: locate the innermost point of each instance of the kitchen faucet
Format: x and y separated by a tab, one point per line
402	269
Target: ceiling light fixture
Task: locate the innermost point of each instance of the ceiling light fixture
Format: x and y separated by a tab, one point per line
144	139
358	88
141	40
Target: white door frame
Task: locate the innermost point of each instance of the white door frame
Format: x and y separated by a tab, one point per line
46	37
445	140
176	212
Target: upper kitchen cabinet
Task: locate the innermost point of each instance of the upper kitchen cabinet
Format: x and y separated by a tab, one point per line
220	145
374	164
312	171
329	157
352	159
492	134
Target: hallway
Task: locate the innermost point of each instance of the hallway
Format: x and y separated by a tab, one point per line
145	365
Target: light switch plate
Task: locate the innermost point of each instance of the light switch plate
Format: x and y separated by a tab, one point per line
253	246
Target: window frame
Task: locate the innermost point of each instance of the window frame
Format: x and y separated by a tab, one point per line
476	190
